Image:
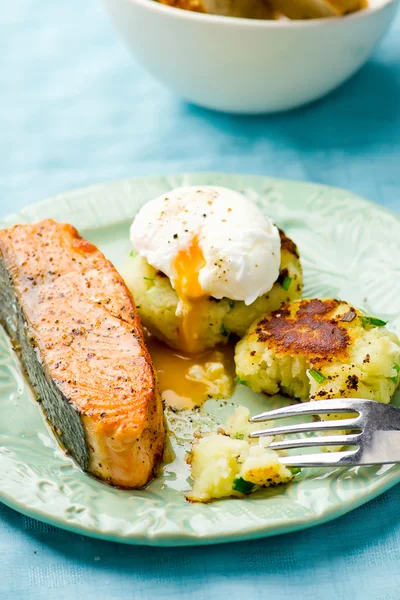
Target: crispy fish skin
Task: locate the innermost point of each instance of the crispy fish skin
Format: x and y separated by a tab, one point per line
68	310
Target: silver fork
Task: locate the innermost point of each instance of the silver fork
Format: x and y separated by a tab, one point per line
374	430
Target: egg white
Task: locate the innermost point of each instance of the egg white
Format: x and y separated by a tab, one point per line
241	247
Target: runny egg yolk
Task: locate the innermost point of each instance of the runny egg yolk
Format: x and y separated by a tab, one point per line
187	381
192	298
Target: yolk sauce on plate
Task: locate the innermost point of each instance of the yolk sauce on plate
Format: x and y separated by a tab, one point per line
182	378
189	378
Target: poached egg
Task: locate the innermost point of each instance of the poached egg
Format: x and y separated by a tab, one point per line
209	241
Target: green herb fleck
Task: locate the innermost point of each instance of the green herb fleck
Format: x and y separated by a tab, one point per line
397	369
224	331
243	486
294	470
241	381
286	283
239	436
319	378
132	253
372	321
175	236
148	278
231	303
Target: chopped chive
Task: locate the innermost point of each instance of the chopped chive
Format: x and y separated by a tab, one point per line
396	368
148	278
241	381
243	486
294	470
224	331
132	253
319	378
378	322
372	321
286	283
231	304
239	436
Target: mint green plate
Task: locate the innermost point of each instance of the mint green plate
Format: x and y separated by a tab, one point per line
349	248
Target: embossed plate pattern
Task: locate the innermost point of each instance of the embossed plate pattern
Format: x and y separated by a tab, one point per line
350	249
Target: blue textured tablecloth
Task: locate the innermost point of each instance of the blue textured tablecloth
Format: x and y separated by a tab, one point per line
74	110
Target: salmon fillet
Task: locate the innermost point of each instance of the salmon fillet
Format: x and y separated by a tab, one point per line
68	310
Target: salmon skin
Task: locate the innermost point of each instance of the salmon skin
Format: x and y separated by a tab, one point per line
74	322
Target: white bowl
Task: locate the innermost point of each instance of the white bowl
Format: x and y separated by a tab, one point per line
248	66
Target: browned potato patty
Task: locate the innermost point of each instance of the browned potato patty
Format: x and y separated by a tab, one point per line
318	349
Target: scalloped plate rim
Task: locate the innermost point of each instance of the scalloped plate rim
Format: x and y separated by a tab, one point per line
186	537
267	178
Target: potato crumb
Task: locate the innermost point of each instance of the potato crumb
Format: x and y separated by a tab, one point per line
228	463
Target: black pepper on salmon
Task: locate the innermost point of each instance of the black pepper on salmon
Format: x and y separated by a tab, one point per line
69	313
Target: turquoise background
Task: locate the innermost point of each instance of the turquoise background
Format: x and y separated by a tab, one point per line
75	110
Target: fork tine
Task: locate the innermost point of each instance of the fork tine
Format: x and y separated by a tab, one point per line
331	440
311	408
335	459
303	427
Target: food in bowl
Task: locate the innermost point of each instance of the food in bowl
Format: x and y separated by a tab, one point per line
314	349
72	319
205	263
249	66
227	463
250	9
271	9
317	9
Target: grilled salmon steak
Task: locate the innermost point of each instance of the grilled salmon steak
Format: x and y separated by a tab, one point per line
68	311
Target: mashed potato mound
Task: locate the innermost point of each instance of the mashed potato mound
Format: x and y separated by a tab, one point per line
320	349
157	302
228	463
